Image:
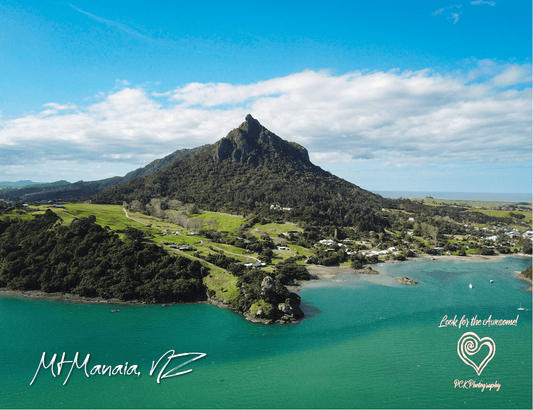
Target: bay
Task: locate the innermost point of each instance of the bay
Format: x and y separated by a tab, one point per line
366	342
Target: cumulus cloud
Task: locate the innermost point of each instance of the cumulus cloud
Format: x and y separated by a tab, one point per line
395	118
511	76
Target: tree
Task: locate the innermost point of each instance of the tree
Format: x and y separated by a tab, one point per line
133	234
266	255
527	246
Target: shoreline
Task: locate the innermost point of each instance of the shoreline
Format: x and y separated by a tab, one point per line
317	272
521	276
72	298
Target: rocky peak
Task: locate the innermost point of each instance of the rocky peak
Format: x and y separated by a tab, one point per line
251	141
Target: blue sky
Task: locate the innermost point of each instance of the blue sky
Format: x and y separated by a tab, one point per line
390	95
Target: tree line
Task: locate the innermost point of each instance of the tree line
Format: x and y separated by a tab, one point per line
88	260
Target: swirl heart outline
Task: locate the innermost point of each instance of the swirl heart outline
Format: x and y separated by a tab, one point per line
470	344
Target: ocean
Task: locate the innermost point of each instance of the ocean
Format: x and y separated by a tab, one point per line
366	342
459	196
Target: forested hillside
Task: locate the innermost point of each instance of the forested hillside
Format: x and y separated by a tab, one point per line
88	260
81	189
250	170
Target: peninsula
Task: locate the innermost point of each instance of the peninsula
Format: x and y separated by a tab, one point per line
238	224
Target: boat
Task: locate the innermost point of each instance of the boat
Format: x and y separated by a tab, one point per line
115	310
491	281
470	286
520	308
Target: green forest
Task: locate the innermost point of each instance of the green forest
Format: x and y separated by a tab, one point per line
208	224
89	260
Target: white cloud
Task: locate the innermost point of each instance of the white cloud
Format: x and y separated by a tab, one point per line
109	23
478	2
395	117
512	75
455	17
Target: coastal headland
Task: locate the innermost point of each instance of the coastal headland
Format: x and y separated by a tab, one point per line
317	272
238	223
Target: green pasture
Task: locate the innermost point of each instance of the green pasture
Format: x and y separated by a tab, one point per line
222	283
19	216
106	215
229	248
226	222
154	222
504	214
274	229
300	250
180	239
466	203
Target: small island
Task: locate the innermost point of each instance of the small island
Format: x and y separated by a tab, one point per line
404	280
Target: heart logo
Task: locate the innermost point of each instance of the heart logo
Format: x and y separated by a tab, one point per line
470	344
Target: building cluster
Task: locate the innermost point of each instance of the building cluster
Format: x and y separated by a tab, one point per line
279	208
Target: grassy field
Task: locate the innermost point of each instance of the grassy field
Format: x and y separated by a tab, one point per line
180	239
226	223
219	280
467	203
106	215
273	229
159	224
222	283
504	214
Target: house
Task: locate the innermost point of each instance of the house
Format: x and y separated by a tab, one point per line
255	265
283	248
186	248
279	208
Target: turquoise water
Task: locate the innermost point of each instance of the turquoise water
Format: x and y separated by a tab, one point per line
367	342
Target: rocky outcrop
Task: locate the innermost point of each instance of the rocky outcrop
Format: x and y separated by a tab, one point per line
290	310
404	280
251	142
270	309
267	285
367	270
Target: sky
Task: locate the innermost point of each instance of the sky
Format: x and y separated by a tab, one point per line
390	95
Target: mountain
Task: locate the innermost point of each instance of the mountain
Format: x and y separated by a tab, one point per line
252	142
250	170
31	184
19	183
81	189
